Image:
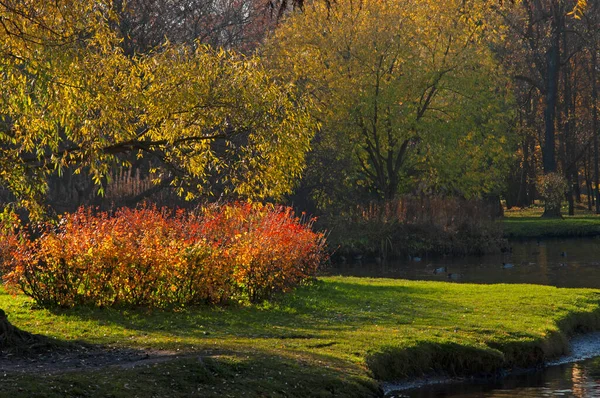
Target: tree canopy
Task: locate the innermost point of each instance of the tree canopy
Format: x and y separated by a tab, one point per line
72	98
405	89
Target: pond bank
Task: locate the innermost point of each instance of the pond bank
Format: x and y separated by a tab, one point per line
567	262
333	338
535	227
583	347
378	241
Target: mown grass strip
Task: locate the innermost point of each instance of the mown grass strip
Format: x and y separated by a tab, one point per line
347	330
527	223
536	227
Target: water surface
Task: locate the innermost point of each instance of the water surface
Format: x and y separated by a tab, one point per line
580	379
556	262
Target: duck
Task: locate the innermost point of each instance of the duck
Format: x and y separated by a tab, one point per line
453	276
507	265
440	270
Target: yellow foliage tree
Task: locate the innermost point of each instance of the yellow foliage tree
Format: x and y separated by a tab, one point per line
407	88
71	98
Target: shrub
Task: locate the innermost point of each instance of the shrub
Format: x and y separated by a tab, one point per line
553	187
416	226
158	258
9	238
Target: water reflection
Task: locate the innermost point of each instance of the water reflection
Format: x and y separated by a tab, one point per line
558	262
580	380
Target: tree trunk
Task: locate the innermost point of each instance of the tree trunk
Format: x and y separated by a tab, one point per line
523	197
576	185
552	72
11	336
567	139
588	179
494	206
595	129
552	58
551	212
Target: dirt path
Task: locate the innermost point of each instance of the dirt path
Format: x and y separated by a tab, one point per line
81	357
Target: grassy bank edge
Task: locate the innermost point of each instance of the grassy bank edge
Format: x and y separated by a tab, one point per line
223	375
532	228
394	363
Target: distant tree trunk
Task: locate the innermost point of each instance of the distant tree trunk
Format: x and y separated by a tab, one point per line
595	128
588	178
549	157
495	206
570	199
567	139
552	72
524	196
531	165
576	185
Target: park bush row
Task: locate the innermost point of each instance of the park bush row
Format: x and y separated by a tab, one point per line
417	226
161	258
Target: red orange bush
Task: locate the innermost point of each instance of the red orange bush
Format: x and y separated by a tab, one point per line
159	258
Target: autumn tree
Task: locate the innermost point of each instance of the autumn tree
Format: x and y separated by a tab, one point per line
230	24
405	90
142	26
544	52
72	98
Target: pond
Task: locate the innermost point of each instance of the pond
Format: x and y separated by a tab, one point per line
557	262
577	375
580	379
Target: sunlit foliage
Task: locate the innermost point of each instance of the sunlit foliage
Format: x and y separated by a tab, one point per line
157	258
71	98
406	90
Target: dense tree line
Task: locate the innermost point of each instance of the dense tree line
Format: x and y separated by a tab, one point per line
399	92
551	54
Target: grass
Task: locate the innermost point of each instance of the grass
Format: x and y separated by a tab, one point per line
333	338
216	376
527	223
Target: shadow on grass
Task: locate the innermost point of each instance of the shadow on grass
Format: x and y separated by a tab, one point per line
396	328
217	376
308	313
394	363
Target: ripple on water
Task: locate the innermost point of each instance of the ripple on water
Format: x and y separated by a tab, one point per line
573	375
528	262
584	346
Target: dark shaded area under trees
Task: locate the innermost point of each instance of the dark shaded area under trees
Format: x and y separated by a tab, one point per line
552	57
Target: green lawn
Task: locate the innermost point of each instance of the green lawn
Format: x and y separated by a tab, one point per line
328	339
527	223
